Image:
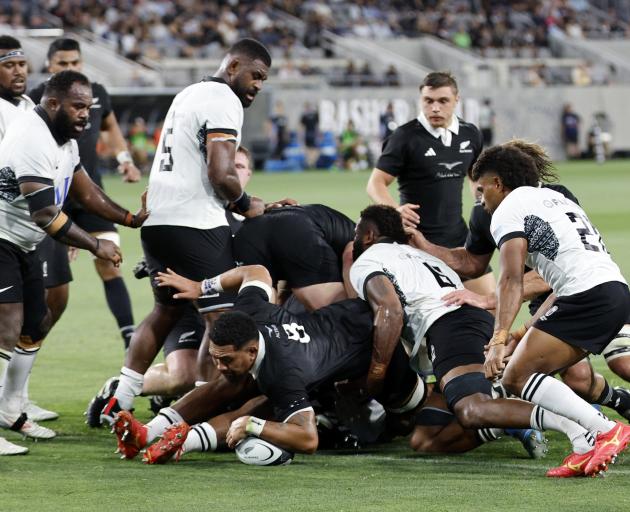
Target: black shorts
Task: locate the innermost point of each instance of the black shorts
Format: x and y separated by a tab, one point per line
193	253
457	339
187	333
21	281
55	263
590	319
88	221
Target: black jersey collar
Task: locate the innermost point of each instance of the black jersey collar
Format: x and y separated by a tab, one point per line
15	101
214	79
59	139
259	357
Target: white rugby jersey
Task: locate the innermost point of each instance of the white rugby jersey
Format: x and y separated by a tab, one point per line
30	152
180	193
420	280
563	246
9	112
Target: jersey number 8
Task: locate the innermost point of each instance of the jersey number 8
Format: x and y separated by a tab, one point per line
296	332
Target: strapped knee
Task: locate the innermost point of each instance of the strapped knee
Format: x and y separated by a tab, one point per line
466	385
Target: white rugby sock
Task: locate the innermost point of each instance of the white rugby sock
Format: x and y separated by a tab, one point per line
581	439
201	438
165	418
5	359
486	435
555	396
16	376
129	387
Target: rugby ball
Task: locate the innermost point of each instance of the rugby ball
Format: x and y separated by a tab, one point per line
259	452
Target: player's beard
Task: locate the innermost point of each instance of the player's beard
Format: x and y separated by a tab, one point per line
357	249
65	126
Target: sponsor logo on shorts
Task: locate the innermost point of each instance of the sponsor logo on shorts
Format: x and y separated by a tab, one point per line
5	289
551	311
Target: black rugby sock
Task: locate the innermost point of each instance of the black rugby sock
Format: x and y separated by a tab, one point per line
120	305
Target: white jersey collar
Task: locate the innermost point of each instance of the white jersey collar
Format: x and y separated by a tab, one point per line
444	133
259	357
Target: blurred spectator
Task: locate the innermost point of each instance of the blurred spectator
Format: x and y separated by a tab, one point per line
288	71
352	149
310	125
280	131
600	137
392	79
141	145
367	76
387	122
570	131
581	75
486	122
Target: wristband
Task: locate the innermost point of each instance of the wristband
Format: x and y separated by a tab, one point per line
499	337
242	204
378	369
124	157
129	217
255	426
519	333
211	286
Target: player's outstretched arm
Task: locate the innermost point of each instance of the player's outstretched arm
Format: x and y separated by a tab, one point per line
297	434
388	323
45	213
465	263
231	280
96	201
509	300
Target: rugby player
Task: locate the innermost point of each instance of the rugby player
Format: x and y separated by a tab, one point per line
36	179
287	355
65	54
429	158
471	260
588	307
401	281
191	177
13	101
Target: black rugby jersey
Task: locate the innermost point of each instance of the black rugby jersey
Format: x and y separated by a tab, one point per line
300	244
432	175
304	351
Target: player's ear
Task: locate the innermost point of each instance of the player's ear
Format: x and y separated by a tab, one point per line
234	66
52	103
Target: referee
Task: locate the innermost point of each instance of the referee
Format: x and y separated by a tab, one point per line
430	156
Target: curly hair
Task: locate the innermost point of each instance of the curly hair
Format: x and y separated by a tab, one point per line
515	167
544	165
387	220
234	328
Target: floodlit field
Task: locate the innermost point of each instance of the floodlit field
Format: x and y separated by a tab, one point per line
79	471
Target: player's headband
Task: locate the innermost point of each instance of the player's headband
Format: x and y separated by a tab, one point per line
12	55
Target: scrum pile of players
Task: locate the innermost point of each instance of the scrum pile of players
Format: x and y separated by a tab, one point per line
310	331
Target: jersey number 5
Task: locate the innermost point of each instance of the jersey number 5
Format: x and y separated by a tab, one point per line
296	332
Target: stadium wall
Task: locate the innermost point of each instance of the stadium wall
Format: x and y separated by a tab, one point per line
530	113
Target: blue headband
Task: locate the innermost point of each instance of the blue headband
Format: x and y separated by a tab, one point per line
12	54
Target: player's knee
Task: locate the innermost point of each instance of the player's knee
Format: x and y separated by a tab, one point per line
580	379
310	445
470	411
621	366
463	391
10	327
513	381
181	381
106	270
423	440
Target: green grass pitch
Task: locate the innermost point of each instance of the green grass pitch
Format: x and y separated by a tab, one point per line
79	471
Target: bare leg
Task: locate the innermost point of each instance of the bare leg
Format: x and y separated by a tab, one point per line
174	377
